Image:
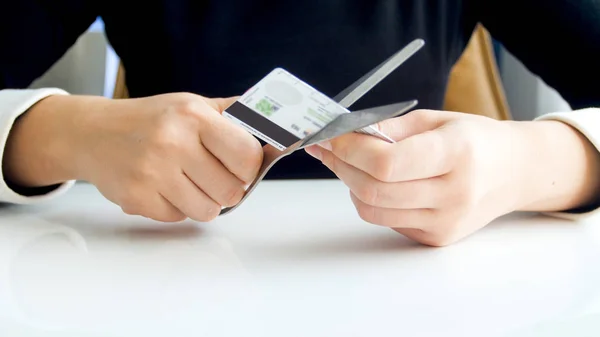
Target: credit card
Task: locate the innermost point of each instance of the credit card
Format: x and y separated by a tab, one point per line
281	110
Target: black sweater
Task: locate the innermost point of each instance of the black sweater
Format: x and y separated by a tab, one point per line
222	47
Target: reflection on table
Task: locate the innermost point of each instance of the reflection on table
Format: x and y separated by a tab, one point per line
293	261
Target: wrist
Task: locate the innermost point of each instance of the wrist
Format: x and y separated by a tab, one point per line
46	143
560	168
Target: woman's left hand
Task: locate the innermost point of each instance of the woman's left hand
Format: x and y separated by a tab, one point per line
450	174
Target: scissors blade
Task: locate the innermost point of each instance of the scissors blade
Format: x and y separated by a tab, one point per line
350	122
363	85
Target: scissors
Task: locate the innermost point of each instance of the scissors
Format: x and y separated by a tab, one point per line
344	123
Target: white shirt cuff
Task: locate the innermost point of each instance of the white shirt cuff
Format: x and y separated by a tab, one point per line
13	103
586	121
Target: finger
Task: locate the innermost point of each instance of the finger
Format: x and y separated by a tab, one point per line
399	128
403	195
420	236
413	123
233	146
220	104
155	207
420	156
425	155
215	180
430	238
394	218
189	199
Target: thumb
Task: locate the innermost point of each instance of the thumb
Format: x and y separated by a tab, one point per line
220	104
413	123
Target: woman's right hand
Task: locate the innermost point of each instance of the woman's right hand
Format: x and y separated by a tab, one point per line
166	157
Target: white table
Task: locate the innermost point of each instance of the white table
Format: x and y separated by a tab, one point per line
295	260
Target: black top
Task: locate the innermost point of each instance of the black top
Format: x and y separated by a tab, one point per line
222	47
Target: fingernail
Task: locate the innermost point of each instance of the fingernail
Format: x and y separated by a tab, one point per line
326	145
315	152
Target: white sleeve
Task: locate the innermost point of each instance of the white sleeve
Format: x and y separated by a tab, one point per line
13	103
586	121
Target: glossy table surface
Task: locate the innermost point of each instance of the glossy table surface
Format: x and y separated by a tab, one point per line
294	260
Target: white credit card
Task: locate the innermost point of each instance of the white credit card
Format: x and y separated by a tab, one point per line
281	110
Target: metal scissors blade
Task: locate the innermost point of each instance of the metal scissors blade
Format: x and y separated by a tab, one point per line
364	84
357	120
348	122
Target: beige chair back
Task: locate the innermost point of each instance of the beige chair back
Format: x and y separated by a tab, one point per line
474	85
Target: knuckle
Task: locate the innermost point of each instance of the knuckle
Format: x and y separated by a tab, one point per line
364	212
425	117
211	211
166	132
468	146
170	216
206	212
250	159
466	199
435	146
367	213
188	105
383	166
331	161
461	197
437	240
233	196
389	126
253	154
144	173
467	150
446	232
165	137
368	193
419	114
187	96
162	140
127	209
131	206
340	149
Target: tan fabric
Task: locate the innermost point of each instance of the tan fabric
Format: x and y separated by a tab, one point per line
120	90
474	85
